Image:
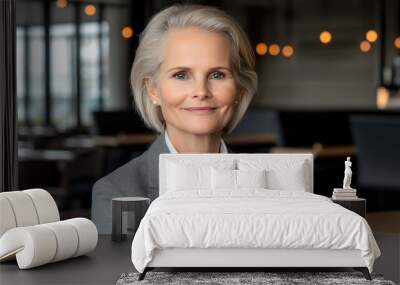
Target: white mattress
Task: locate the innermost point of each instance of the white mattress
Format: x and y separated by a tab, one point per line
253	218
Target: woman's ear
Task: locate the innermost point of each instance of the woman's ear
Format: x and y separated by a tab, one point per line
238	96
152	91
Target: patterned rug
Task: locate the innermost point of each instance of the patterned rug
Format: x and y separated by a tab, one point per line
243	278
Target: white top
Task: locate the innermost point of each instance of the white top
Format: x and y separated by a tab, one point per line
130	199
222	146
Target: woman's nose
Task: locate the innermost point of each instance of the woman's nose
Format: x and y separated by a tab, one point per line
201	89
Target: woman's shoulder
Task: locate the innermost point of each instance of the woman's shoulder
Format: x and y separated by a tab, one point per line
135	170
121	175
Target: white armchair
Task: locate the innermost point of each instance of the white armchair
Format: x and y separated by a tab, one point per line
31	230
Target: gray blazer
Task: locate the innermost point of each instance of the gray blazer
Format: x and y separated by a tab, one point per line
138	177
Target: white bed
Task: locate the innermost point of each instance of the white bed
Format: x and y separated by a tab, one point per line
203	221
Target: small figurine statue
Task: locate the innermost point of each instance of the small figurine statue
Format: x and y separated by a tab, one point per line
347	174
345	193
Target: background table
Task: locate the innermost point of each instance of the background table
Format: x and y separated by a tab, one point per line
102	266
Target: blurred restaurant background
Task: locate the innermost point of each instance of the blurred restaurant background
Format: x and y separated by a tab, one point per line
329	79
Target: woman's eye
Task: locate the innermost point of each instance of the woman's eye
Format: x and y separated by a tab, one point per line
180	75
217	75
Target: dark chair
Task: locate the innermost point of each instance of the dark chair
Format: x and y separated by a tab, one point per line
377	141
114	123
119	122
305	128
257	120
256	123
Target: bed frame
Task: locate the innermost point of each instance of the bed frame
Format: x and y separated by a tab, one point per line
234	259
251	259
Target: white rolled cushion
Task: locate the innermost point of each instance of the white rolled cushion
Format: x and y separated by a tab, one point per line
7	218
87	235
33	245
23	208
223	179
282	174
251	178
40	244
67	239
45	205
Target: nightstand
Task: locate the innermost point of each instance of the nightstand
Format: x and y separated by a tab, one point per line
357	205
127	212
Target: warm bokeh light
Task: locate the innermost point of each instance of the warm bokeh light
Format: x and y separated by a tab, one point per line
365	46
325	37
274	49
317	147
287	51
62	4
371	36
261	48
382	97
90	10
127	32
397	42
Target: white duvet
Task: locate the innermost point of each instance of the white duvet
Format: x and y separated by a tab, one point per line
253	218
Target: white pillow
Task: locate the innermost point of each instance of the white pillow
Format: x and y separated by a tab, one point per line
251	178
189	175
182	177
282	174
223	179
226	179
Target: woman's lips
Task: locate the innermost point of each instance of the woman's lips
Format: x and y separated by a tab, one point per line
200	109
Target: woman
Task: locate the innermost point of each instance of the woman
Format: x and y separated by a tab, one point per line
192	78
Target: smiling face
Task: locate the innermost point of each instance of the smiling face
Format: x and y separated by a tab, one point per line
195	86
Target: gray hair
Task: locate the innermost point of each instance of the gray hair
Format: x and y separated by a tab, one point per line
148	57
